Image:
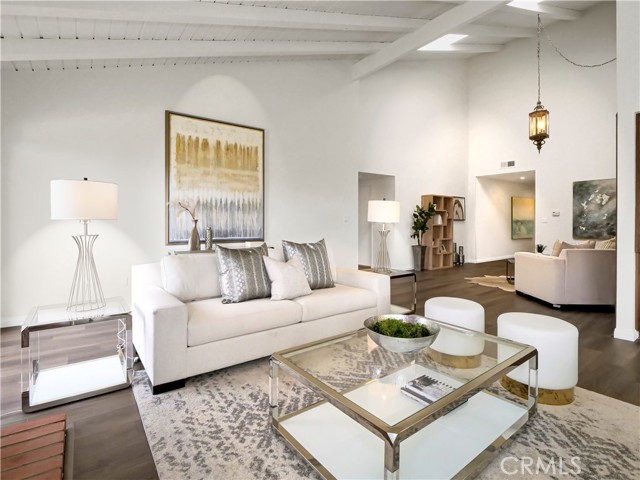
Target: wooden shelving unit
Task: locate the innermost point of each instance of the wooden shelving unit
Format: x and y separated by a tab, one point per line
439	238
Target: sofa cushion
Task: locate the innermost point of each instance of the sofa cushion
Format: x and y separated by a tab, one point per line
242	273
287	279
610	244
333	301
315	261
211	320
190	276
558	246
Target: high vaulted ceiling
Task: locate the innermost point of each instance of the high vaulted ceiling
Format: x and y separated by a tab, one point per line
54	35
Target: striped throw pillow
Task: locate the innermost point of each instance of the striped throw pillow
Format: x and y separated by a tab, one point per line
242	273
315	261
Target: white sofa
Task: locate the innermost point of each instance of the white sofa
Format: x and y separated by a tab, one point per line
574	277
176	339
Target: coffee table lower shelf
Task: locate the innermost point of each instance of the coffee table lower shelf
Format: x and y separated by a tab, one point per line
440	450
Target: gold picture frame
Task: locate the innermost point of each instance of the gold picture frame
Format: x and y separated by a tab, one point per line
216	170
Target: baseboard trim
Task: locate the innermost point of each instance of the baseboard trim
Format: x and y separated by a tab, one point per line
493	259
628	334
12	321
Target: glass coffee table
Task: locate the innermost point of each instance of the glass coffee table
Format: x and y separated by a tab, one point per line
353	420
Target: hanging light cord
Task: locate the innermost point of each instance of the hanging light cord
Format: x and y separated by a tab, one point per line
541	27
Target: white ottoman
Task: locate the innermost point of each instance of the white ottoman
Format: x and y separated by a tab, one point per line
557	345
452	348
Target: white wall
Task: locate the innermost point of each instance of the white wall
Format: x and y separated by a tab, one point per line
417	121
412	124
582	105
493	215
321	128
109	125
628	66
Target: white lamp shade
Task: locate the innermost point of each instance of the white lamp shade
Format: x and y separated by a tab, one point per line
383	211
83	200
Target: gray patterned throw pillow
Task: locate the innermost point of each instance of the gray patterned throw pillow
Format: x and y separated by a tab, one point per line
315	261
242	273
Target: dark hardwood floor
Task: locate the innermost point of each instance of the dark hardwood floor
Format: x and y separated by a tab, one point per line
109	438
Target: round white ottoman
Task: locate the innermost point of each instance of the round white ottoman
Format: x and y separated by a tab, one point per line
453	348
557	345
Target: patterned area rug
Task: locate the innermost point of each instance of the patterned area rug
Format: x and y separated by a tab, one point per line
218	427
491	281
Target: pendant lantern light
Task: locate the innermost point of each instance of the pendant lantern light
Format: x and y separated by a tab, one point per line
539	118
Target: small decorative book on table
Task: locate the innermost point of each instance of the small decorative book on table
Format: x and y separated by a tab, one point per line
426	389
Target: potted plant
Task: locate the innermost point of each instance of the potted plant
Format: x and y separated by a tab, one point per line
420	225
540	247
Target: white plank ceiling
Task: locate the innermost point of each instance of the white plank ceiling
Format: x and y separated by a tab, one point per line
55	35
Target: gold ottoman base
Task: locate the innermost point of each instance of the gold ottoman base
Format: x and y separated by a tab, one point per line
545	396
456	361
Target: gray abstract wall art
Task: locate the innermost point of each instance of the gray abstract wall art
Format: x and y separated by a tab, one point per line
594	209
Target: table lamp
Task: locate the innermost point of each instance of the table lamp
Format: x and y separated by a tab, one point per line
84	200
383	211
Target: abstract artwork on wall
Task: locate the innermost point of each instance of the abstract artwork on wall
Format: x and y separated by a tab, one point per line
522	217
216	169
459	208
594	209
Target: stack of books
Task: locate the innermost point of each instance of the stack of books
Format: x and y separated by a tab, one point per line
426	389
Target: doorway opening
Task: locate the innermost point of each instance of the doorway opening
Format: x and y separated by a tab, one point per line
371	186
495	238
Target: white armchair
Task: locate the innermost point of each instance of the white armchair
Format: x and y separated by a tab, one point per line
575	277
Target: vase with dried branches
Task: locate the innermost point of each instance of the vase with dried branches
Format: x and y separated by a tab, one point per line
194	239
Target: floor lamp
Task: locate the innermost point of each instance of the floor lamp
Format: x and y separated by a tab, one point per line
383	211
84	200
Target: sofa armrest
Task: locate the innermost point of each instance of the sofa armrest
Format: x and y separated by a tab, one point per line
376	282
160	334
541	276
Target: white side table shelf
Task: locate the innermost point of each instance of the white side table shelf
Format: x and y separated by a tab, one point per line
56	370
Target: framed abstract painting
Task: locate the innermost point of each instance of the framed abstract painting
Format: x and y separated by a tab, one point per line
594	209
215	175
459	208
522	217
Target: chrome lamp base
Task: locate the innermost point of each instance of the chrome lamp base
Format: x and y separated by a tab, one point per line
381	265
86	291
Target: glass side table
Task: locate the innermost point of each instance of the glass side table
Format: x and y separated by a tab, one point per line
397	274
510	265
67	356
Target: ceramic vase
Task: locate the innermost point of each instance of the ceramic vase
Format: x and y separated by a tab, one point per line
194	240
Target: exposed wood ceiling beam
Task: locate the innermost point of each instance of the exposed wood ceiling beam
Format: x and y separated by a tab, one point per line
439	26
203	13
501	32
24	50
534	8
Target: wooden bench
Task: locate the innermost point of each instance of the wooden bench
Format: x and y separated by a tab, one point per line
34	449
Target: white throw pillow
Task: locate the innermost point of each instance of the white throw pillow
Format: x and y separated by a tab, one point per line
191	276
288	280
